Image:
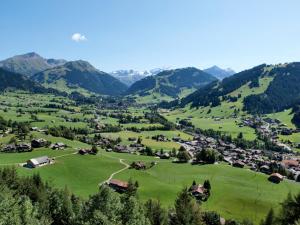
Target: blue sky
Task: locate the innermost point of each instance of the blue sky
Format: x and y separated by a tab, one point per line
145	34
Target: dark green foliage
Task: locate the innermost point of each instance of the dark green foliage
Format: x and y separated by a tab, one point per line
170	82
183	155
282	93
208	156
210	93
62	131
142	86
187	210
18	81
211	218
155	213
296	117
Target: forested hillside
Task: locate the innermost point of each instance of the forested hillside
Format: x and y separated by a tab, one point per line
171	82
83	75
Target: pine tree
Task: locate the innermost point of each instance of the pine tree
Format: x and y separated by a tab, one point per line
187	210
155	213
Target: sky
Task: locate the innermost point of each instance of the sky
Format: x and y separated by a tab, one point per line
146	34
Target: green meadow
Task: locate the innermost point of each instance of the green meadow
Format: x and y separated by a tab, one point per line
236	193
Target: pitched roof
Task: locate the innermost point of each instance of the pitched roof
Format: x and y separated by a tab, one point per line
119	183
277	175
40	160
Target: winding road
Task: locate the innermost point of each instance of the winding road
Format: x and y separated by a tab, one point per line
114	173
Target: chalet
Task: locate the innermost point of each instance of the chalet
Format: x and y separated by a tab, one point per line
58	146
37	162
118	185
138	165
9	148
198	191
165	155
23	147
121	149
38	143
275	178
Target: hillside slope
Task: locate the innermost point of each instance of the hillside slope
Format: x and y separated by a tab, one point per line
83	75
171	83
29	64
10	80
282	91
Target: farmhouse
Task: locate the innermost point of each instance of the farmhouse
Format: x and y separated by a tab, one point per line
138	165
118	185
58	146
36	162
38	143
275	178
198	191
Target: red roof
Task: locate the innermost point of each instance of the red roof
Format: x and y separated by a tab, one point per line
119	183
290	163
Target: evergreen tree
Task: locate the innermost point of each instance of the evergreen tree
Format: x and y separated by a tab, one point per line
187	210
155	213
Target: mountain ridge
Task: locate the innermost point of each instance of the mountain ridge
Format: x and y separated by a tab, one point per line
29	63
82	74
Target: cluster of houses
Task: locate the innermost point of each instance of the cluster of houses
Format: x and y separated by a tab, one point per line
253	159
271	128
35	143
20	147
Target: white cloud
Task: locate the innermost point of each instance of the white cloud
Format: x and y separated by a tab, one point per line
78	37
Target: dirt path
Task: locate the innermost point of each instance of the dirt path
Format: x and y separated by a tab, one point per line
21	163
114	173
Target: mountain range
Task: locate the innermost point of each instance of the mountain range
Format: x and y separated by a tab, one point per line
29	64
129	77
219	73
281	89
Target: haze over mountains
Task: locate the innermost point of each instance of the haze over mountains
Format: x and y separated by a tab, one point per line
129	77
219	73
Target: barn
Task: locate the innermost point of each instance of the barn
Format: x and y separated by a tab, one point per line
36	162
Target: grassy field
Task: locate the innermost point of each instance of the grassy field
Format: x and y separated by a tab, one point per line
146	138
236	193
